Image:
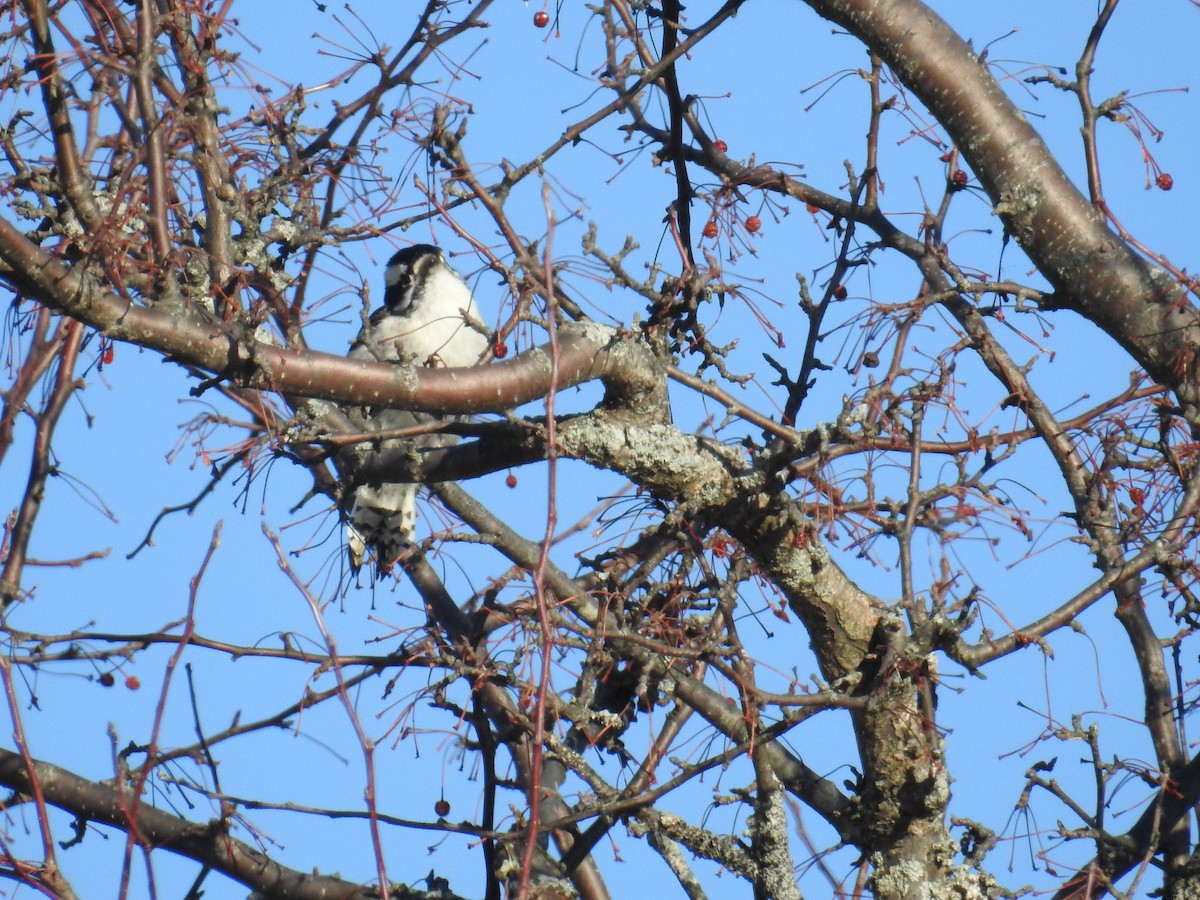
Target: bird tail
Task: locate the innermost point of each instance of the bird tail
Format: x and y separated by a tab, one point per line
381	525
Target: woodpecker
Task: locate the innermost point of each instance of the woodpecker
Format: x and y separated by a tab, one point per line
423	322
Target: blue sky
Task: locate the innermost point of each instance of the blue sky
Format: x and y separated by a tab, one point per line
524	86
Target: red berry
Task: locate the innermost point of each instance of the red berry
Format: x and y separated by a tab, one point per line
840	292
133	682
812	208
541	19
710	229
442	807
499	350
720	146
753	224
1165	181
1137	495
108	355
511	480
106	679
958	180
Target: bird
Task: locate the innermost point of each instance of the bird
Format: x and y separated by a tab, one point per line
425	320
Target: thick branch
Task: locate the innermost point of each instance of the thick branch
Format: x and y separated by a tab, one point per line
1094	273
1156	822
586	351
209	843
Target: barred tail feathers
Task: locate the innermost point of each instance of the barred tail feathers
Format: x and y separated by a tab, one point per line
381	525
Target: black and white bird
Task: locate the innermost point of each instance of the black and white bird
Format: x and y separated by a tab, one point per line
424	321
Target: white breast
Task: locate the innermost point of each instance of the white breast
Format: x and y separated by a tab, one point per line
435	332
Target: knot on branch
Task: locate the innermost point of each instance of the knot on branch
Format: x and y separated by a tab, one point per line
635	381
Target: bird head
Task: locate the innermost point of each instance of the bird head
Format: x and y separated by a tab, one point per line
408	273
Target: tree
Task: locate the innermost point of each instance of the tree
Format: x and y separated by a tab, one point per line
806	440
